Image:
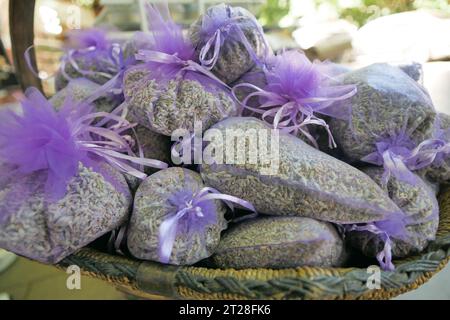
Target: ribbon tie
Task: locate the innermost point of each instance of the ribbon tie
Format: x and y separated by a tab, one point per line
185	65
400	161
214	44
198	211
291	115
113	73
384	257
110	144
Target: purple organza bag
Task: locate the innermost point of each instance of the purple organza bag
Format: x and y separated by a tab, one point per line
229	41
176	219
280	242
60	187
389	111
87	56
256	77
297	95
81	89
421	213
439	170
149	145
413	69
169	90
139	41
289	177
92	55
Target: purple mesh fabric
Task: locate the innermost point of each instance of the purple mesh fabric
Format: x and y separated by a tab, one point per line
171	87
229	41
420	215
308	183
439	170
168	225
297	95
56	194
389	105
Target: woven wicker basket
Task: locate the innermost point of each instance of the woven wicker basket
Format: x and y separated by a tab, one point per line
152	280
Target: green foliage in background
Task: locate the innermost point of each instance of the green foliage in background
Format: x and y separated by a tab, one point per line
357	11
371	9
84	3
272	12
365	10
368	10
442	6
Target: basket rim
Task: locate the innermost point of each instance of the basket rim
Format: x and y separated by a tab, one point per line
149	279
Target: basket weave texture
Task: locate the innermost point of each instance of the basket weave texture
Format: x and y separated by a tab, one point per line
153	280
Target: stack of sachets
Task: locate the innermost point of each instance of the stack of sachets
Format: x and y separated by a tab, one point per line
269	192
61	186
170	90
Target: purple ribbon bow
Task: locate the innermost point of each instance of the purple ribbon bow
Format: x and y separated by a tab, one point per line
196	211
399	158
384	257
215	42
181	65
114	74
293	115
92	43
110	144
43	139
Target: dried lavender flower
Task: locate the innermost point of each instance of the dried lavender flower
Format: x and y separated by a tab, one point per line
413	69
387	101
255	76
306	182
176	105
157	200
49	232
60	181
153	146
241	39
439	171
421	213
86	64
89	54
280	242
169	90
79	90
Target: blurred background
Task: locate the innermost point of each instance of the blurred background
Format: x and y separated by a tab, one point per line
351	32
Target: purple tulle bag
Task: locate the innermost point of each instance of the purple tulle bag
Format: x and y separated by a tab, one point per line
256	77
421	215
298	94
176	219
390	111
280	242
400	156
301	181
82	89
90	54
229	41
61	182
169	90
439	170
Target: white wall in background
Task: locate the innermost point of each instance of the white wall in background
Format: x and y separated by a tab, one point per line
407	36
437	81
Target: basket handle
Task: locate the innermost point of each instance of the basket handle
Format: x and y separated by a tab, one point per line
21	24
